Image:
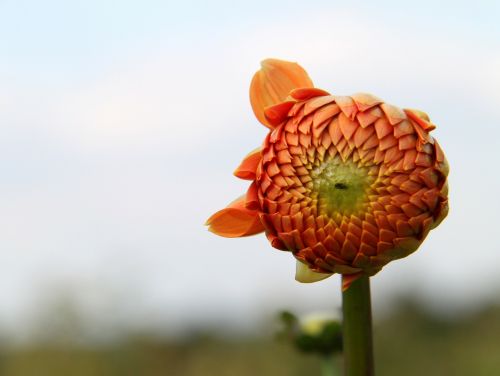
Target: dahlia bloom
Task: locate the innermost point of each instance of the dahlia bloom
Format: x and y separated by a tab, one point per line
345	183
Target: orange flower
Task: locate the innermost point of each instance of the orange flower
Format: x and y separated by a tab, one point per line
345	183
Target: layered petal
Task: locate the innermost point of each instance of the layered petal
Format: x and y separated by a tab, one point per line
235	220
350	183
346	184
273	83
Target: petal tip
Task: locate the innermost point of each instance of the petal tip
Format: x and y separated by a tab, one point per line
235	221
304	274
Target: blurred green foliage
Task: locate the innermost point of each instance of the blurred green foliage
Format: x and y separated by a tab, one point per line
409	342
324	340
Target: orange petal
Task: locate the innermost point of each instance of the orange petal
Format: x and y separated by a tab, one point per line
235	221
421	118
394	114
365	101
246	170
278	113
252	198
272	84
305	93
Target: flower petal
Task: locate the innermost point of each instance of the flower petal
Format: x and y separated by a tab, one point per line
278	113
305	93
251	198
421	118
305	275
272	84
246	170
365	101
235	221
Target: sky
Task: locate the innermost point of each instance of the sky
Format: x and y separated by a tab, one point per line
121	124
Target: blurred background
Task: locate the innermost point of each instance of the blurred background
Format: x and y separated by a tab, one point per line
120	125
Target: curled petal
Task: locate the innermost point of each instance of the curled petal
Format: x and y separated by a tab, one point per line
272	84
246	170
235	221
421	118
278	113
251	198
305	275
305	93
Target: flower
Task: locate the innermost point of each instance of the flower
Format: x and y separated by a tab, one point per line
345	183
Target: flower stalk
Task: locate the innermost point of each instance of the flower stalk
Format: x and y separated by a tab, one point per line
328	367
357	329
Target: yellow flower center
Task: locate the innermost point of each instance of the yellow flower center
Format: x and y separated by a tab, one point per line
341	187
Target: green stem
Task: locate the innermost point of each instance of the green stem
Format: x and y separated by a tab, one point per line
357	329
328	367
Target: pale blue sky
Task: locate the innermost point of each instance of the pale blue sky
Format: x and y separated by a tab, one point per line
121	123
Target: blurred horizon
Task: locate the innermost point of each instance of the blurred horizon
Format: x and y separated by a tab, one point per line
433	343
121	124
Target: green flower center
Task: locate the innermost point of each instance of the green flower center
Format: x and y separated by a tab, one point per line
341	187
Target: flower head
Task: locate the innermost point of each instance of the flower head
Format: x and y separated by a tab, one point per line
345	183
